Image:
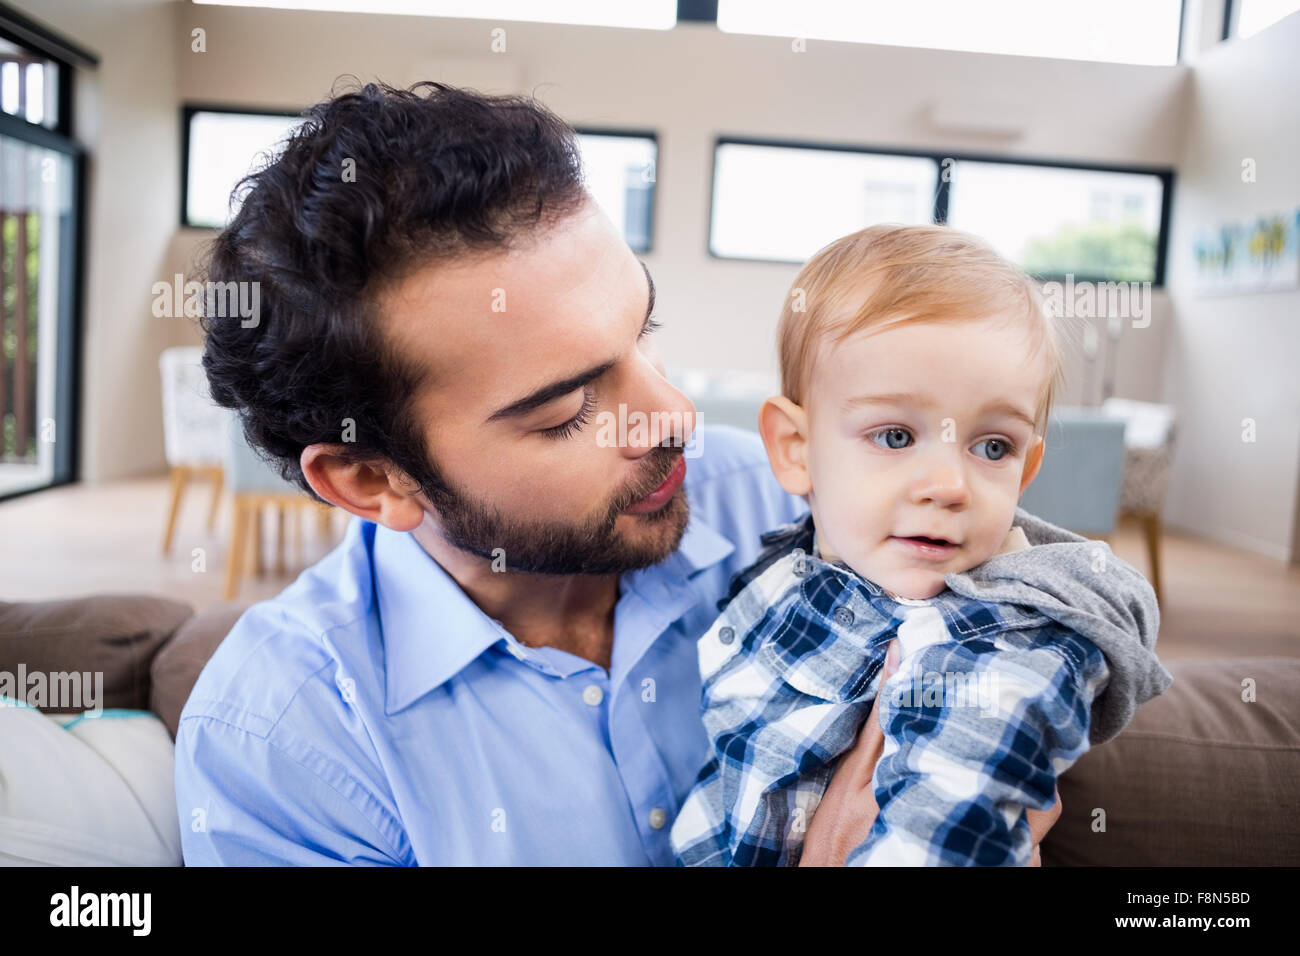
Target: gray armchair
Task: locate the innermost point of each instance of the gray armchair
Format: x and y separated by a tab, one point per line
1078	486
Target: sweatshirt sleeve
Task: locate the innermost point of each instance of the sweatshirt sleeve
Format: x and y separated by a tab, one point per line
973	738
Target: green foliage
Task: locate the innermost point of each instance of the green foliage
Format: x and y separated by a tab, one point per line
9	257
1122	253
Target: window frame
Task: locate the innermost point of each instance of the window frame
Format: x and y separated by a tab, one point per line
188	111
630	133
939	209
69	371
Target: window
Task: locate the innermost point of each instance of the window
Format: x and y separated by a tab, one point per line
1053	221
29	85
620	172
646	14
221	147
1252	16
783	202
1118	31
40	191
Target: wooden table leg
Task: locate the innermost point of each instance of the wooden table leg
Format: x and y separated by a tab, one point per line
256	508
279	537
238	545
180	476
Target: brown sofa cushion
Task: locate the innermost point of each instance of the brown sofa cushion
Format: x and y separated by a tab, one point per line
1200	778
117	634
176	667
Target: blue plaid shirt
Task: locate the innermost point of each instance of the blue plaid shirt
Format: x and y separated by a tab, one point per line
990	703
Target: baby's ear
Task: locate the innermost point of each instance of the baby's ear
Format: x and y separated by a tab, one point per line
1033	461
784	427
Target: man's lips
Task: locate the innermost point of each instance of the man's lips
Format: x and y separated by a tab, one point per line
661	495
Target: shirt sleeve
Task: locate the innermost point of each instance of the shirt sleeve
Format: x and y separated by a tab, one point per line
246	800
974	736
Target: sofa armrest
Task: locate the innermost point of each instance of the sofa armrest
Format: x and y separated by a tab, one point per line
177	665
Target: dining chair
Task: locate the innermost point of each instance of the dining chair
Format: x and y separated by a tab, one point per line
193	432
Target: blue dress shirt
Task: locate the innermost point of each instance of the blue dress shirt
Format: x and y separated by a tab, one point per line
373	714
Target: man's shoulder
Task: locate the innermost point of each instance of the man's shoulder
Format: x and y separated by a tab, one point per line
280	649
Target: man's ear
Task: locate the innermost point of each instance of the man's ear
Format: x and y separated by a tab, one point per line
784	427
1033	461
378	493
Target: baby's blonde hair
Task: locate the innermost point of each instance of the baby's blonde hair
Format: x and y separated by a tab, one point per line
890	274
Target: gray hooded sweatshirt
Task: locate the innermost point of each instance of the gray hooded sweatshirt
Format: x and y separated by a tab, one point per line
1093	593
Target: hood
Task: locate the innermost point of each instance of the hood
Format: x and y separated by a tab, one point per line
1081	584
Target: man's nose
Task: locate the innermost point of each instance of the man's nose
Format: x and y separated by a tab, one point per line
670	416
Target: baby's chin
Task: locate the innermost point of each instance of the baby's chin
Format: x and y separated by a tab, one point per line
916	584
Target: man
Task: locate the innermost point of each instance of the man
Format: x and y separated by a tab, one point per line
498	664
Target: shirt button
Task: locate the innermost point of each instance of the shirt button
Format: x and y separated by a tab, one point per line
726	635
593	695
843	616
658	818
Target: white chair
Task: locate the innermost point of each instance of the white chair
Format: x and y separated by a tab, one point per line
194	431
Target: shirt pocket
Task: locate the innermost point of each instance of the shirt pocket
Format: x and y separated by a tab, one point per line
830	670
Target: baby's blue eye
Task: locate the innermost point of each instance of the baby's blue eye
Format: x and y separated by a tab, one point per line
894	437
997	448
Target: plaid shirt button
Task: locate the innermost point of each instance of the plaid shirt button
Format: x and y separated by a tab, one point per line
726	635
843	616
800	567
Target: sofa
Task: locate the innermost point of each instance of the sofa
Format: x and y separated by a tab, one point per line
1207	774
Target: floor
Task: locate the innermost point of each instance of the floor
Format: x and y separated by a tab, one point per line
79	540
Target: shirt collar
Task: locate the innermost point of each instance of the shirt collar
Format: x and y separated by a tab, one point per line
432	630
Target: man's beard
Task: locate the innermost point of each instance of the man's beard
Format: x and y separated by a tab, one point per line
549	547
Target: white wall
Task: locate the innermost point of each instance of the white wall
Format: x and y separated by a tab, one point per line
1236	357
690	85
693	83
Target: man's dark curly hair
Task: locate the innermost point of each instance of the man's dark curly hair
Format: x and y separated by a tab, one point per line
439	172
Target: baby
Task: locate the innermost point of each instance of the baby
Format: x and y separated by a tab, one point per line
918	371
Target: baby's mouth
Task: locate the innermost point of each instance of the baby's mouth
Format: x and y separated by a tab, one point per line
926	548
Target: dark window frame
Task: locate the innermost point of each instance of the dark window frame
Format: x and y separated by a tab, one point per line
70	363
190	109
939	212
629	133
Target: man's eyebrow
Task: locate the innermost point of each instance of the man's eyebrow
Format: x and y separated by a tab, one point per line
549	393
999	406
